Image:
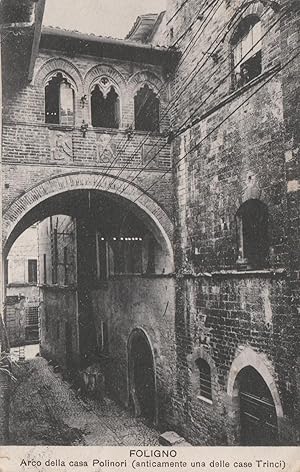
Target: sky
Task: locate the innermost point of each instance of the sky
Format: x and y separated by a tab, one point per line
102	17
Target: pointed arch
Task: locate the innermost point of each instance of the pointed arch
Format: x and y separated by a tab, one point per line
141	78
250	358
57	64
104	70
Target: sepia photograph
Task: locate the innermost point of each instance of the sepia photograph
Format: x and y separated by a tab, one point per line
150	228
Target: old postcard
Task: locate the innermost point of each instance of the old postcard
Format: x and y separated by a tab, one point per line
150	228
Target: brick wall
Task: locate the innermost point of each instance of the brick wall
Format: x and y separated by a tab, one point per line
36	150
222	311
289	27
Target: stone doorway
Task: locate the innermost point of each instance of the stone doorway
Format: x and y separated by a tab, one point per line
142	376
258	419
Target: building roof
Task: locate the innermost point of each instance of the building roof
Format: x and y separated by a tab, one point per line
76	43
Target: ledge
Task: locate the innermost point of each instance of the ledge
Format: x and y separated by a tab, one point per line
59	127
21	284
71	288
238	273
142	276
204	399
94	129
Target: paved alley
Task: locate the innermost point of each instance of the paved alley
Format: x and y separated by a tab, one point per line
46	411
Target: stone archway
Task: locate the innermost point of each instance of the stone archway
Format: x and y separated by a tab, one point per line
157	219
258	362
142	377
258	418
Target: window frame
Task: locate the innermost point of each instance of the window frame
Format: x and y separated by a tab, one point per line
105	90
64	79
245	26
154	94
205	393
30	272
260	260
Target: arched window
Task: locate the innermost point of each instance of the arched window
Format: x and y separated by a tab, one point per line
205	378
59	101
246	49
252	228
105	105
146	110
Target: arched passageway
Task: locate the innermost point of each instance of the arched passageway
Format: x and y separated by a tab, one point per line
36	204
258	419
142	376
115	246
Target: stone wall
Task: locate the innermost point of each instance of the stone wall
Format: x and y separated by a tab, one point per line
233	151
59	326
126	303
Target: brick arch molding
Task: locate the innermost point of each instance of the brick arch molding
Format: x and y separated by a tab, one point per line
255	9
145	77
103	69
58	64
249	358
90	181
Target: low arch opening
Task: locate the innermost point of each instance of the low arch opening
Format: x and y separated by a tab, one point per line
142	379
257	412
254	410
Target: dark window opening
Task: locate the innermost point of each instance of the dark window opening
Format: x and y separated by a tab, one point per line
32	315
46	320
103	338
45	268
253	241
102	259
32	324
127	256
66	266
205	378
6	269
151	256
59	101
247	57
105	110
54	257
146	110
32	271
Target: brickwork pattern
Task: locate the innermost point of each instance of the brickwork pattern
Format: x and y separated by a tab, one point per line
220	310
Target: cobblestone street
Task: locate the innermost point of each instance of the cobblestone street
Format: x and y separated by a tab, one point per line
46	411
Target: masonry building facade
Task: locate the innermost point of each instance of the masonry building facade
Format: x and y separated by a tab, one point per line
164	170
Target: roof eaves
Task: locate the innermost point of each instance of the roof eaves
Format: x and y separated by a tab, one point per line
72	34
